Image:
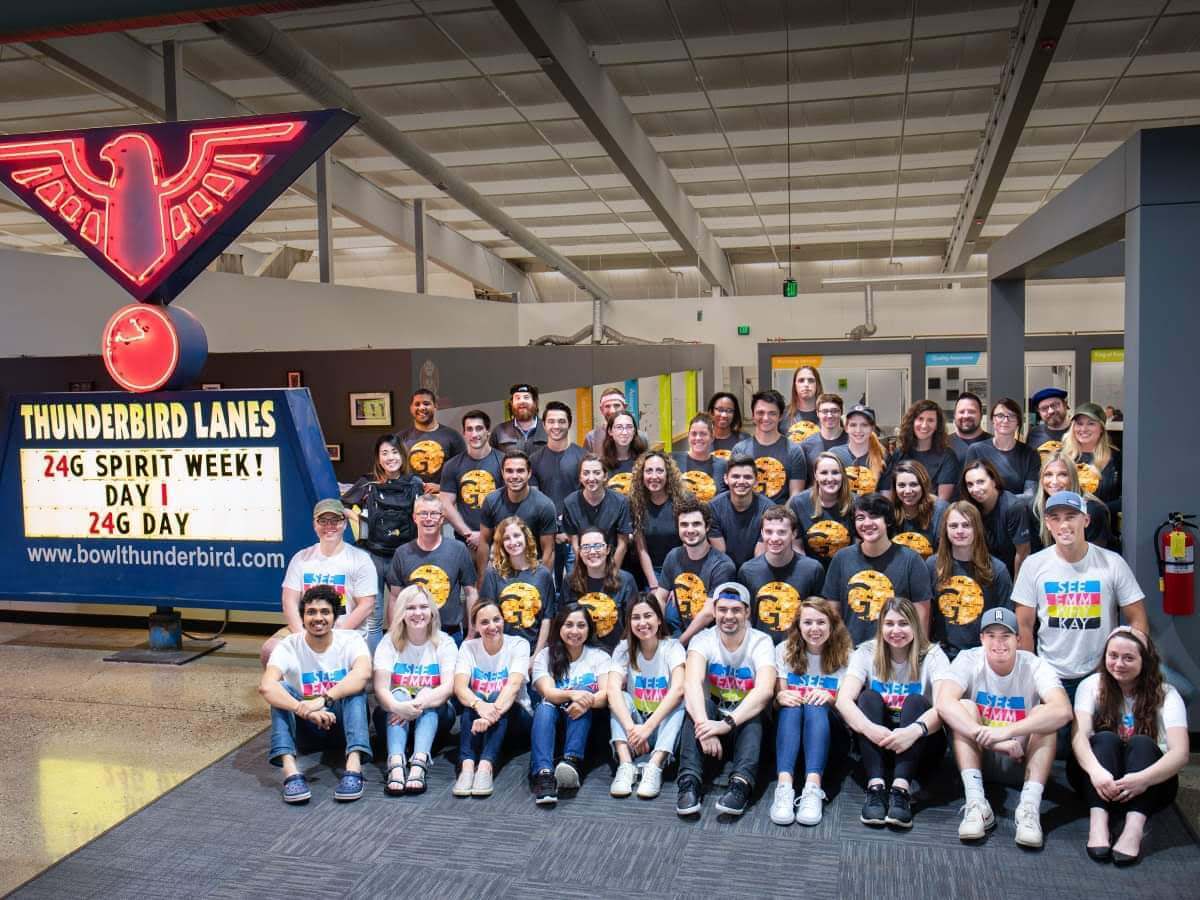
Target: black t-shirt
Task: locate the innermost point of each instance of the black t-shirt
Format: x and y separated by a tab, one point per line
741	531
923	540
959	445
777	464
861	584
1019	468
1045	440
776	591
723	446
611	515
824	534
959	601
1006	527
428	451
1105	484
693	580
659	531
556	472
862	478
800	425
608	610
704	478
620	476
1098	532
526	599
444	571
536	511
471	480
815	445
943	468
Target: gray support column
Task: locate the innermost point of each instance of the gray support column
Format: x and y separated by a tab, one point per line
1162	371
419	246
324	221
1006	340
172	78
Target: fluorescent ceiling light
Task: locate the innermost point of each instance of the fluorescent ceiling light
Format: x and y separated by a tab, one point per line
901	279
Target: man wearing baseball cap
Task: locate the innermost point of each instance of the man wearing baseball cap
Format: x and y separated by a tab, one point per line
524	430
1046	436
1003	707
729	680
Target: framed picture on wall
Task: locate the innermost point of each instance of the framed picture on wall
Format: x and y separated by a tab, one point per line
371	409
334	451
978	387
295	379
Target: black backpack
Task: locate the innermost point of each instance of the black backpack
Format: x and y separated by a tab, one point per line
389	516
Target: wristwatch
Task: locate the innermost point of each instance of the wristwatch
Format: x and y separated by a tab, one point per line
328	701
924	728
728	720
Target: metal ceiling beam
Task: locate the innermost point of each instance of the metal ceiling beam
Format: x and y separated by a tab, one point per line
261	40
549	34
123	67
1040	29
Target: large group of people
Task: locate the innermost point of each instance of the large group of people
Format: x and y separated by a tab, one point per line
810	585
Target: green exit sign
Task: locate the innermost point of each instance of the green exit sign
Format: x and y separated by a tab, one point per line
743	330
790	288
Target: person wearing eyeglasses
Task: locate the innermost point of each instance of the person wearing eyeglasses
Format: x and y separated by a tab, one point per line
1046	436
726	414
830	432
599	584
1016	463
443	567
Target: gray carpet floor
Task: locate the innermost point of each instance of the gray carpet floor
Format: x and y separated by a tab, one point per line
226	833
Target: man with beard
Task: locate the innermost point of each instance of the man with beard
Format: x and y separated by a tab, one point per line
468	478
1046	436
428	444
524	430
968	414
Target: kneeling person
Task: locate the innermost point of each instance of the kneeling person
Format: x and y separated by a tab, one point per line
1003	707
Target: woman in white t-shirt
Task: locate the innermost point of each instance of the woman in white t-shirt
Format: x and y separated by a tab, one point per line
414	676
886	698
489	677
1130	742
569	674
645	699
811	664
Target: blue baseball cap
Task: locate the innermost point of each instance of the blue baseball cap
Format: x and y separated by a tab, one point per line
1069	499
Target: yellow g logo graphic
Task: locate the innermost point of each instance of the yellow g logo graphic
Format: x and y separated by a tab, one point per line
1089	477
1048	447
868	591
435	580
520	603
777	604
914	540
701	485
771	477
722	454
603	610
827	537
474	487
862	479
800	429
960	600
426	457
690	594
620	482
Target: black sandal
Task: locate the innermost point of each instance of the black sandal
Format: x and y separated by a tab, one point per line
417	768
387	788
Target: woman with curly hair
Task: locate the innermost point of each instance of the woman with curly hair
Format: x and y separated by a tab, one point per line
655	489
517	580
623	443
601	585
1060	473
923	440
918	511
1130	742
811	664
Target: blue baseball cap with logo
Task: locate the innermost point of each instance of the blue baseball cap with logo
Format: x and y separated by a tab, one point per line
1068	499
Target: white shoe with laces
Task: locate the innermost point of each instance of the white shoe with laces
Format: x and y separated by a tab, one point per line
978	818
811	806
783	810
622	783
651	783
1029	825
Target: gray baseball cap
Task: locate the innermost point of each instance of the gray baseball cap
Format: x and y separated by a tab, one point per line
731	590
1069	499
998	615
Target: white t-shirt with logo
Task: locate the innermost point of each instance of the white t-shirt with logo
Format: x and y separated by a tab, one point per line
349	571
487	674
812	678
902	683
1002	699
310	673
649	682
1172	713
732	674
1076	604
418	667
584	674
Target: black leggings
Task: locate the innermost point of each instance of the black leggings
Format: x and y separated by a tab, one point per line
1120	758
924	750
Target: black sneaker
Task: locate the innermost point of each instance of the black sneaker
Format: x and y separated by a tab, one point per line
733	801
874	811
899	808
545	789
689	801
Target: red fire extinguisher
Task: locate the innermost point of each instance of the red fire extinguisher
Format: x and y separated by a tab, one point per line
1175	551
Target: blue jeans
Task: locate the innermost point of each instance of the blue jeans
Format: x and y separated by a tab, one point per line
802	724
424	728
547	720
486	747
564	562
349	731
664	738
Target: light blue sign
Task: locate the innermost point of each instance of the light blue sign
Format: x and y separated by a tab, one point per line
631	398
952	359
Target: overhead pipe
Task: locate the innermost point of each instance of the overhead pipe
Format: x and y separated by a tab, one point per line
259	39
868	328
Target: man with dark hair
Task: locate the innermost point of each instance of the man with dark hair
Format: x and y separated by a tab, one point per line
830	432
691	571
517	498
524	430
468	478
596	505
780	578
612	401
864	576
428	444
968	430
737	513
314	683
556	473
1046	436
781	465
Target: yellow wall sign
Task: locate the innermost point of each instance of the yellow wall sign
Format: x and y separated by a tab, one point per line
1109	355
795	362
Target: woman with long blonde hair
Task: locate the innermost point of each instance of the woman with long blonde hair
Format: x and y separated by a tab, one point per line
1099	462
517	580
825	511
1061	473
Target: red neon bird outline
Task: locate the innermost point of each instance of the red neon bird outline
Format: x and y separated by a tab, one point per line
137	219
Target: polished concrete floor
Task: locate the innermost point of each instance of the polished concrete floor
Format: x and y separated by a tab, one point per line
87	743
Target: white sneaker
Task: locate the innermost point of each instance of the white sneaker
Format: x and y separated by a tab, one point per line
462	786
1029	825
783	810
622	783
651	782
481	785
978	818
811	805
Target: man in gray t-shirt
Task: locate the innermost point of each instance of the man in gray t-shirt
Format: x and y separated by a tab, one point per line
443	567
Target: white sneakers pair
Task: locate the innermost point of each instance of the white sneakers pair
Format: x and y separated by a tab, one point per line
785	809
473	784
978	819
648	787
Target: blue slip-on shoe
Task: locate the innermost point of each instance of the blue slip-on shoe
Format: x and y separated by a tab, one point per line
295	789
350	787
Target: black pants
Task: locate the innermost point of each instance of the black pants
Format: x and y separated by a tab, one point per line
925	750
1120	758
744	743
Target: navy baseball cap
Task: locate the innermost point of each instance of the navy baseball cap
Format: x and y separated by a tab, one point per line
998	615
859	409
1069	499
